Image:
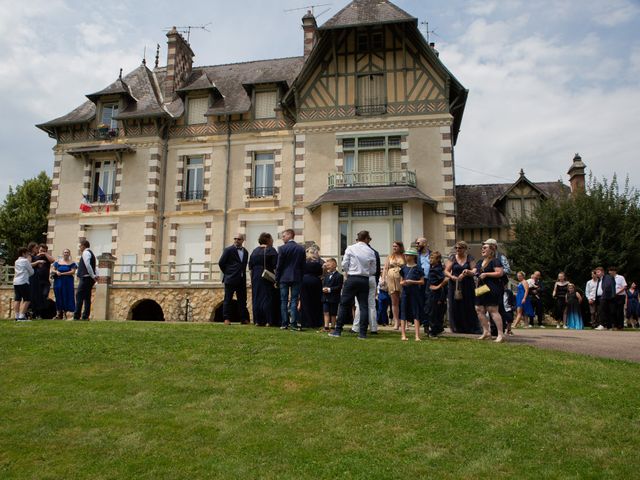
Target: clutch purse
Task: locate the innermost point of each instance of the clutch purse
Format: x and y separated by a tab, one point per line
481	290
268	276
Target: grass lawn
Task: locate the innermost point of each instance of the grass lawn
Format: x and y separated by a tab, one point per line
107	400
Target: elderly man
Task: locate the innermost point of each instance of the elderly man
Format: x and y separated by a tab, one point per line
358	263
233	264
373	287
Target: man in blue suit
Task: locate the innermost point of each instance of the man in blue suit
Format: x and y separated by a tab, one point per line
233	264
289	271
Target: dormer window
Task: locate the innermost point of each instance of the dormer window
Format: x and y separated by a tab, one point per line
266	103
109	110
196	109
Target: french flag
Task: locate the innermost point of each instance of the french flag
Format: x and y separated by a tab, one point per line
85	205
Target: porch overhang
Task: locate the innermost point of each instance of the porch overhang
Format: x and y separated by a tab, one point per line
371	194
117	150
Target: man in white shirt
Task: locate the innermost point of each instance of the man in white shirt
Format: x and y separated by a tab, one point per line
590	291
22	290
358	263
87	276
621	296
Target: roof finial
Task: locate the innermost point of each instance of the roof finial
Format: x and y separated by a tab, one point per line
120	76
157	55
522	172
144	56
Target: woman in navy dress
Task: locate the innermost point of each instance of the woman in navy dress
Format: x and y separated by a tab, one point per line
632	305
311	291
63	272
436	295
412	296
462	312
560	296
265	297
489	272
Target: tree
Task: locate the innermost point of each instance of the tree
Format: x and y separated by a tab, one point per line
23	215
579	232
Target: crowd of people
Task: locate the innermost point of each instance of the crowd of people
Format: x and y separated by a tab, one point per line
294	288
35	269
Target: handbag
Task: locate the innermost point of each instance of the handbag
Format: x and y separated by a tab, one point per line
481	290
458	293
266	274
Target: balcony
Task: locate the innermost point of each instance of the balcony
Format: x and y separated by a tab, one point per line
105	133
379	109
104	198
192	195
263	192
373	179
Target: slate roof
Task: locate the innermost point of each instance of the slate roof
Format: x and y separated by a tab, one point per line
367	12
475	203
371	194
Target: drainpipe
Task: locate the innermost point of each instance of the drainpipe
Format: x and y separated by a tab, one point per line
293	182
163	192
226	184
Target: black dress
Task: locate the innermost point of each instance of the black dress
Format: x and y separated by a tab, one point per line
462	313
265	297
561	301
311	295
494	297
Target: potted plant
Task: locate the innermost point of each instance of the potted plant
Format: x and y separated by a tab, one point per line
103	130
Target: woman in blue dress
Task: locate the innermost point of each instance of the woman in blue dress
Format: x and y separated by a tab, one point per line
573	301
63	272
412	296
632	306
523	301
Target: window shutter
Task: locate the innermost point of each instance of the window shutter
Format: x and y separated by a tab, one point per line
371	161
197	108
266	104
395	161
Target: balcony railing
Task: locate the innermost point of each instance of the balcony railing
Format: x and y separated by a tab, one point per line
372	179
192	195
262	192
104	198
379	109
105	133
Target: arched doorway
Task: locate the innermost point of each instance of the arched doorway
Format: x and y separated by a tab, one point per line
146	311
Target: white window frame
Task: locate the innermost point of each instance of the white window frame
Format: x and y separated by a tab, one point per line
194	171
109	121
104	176
261	162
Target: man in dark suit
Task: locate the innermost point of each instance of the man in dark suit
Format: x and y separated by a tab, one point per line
233	264
607	300
289	271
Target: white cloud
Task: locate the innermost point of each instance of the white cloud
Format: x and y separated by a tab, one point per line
95	35
613	12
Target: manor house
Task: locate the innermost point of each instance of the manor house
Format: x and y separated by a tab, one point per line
357	133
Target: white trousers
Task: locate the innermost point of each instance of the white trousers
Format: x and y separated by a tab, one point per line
373	322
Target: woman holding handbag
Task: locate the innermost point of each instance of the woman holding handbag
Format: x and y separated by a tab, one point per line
462	307
265	297
490	290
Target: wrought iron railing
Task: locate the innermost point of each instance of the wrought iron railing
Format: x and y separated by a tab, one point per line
105	133
261	192
371	109
372	179
192	195
104	198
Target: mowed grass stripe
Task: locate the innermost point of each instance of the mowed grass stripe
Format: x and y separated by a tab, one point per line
106	400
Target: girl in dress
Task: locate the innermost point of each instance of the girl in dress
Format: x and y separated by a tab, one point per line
523	302
632	306
390	279
560	296
63	272
412	301
573	301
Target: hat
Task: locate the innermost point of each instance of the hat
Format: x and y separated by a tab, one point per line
490	241
411	251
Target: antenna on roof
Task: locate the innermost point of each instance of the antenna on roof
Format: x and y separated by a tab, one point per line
428	32
311	8
120	76
144	56
186	30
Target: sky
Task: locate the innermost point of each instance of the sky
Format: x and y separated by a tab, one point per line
546	78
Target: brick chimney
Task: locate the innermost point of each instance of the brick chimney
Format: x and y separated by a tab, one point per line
576	175
310	28
179	63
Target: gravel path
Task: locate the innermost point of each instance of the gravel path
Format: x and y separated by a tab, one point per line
608	344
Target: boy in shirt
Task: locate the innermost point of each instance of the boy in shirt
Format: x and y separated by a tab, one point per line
21	287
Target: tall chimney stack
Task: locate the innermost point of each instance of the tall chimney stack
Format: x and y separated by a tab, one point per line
310	28
179	63
576	175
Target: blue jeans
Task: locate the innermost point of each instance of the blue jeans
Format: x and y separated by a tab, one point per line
292	303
